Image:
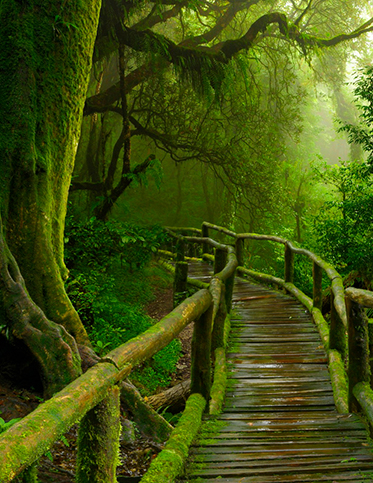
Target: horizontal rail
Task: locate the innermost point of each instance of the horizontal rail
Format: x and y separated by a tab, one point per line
360	296
31	437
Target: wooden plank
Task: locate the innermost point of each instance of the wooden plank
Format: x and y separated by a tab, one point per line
281	424
361	476
320	468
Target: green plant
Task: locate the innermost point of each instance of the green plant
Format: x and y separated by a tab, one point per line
6	425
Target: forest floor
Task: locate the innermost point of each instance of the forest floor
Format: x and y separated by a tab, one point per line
58	465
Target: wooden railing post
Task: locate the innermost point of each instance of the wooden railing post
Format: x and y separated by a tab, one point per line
98	441
219	322
337	335
220	260
180	250
289	264
205	234
317	285
229	284
370	333
201	355
180	282
358	347
239	251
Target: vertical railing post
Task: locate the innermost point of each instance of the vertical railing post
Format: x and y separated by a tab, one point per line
358	349
205	234
317	285
289	264
220	260
370	333
201	355
180	282
229	284
98	441
337	334
219	322
240	251
180	250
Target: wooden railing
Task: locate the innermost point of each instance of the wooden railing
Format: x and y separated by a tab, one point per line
93	398
346	340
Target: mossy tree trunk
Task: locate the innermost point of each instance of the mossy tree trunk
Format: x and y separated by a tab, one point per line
45	62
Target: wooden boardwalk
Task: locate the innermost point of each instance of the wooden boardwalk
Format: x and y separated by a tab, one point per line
279	422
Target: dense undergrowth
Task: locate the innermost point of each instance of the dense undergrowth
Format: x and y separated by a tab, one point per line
112	278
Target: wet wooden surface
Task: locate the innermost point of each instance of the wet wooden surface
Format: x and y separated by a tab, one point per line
279	422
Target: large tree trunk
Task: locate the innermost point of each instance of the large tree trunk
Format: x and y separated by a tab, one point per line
45	61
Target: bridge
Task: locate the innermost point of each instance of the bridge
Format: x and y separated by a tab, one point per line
271	398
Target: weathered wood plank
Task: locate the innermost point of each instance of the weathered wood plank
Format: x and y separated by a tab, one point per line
279	423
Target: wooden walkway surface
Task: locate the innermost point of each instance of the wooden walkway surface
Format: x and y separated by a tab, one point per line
279	422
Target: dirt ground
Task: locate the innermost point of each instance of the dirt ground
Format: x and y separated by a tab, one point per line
58	465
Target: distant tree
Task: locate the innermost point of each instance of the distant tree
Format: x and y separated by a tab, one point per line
207	45
362	133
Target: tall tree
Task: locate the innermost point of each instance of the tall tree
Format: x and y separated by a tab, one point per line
45	61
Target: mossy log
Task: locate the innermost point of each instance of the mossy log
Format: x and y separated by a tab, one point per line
230	267
322	327
217	290
220	229
98	441
261	277
362	297
190	281
337	334
220	382
174	396
208	257
159	335
147	419
169	464
184	230
358	349
339	381
27	440
299	295
166	254
364	395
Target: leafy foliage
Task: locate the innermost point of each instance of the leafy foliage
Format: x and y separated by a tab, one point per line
363	132
343	228
110	284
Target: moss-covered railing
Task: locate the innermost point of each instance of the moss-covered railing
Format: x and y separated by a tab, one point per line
348	340
93	398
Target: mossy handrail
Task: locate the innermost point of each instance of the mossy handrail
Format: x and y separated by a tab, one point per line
27	440
342	318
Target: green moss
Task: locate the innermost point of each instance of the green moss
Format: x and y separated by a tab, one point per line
98	441
339	381
220	382
170	462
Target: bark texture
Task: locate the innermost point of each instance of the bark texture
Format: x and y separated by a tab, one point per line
45	60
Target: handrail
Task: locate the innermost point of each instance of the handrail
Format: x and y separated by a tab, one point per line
333	339
30	438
